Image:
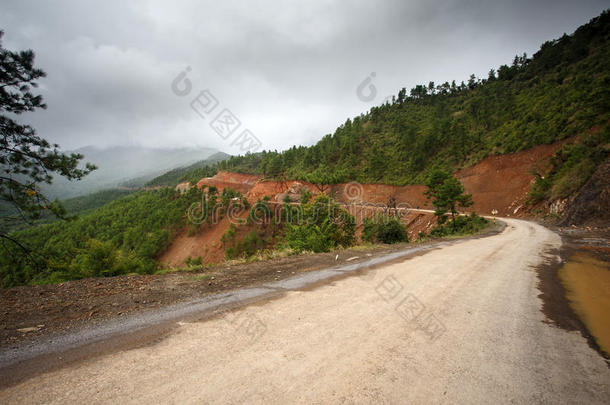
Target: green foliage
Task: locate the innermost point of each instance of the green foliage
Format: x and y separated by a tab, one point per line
73	206
447	193
369	230
260	213
229	235
26	159
313	238
89	202
228	195
194	262
462	225
101	259
320	226
305	196
384	229
260	216
124	236
321	178
540	189
571	167
251	243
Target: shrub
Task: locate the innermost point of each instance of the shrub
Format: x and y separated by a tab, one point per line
384	230
320	226
313	238
392	231
198	261
248	246
228	235
464	225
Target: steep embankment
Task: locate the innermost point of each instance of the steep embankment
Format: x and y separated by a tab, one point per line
503	182
590	206
497	182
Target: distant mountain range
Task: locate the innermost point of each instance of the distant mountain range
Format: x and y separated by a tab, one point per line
121	165
193	172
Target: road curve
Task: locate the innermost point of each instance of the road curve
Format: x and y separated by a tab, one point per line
459	324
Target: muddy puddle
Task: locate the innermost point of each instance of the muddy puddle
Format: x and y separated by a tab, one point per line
586	279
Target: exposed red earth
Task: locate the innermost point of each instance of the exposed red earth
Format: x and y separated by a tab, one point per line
503	182
497	182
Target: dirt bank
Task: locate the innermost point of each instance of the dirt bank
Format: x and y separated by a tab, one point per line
503	182
239	182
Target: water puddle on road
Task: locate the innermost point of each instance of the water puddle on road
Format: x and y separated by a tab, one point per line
586	279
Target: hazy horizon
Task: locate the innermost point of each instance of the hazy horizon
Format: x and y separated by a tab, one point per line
288	73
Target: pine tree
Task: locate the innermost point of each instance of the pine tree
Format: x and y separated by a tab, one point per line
27	160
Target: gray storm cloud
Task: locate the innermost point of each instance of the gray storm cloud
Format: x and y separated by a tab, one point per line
288	70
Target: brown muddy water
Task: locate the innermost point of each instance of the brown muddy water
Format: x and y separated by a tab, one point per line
586	279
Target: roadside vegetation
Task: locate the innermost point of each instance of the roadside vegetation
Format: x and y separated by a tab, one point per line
319	225
447	195
460	226
384	229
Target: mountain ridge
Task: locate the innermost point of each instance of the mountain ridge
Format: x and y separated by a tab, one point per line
118	164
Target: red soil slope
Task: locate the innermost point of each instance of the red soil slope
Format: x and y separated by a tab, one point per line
503	182
205	243
276	189
239	182
498	182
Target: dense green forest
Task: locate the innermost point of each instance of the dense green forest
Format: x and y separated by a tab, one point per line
10	220
124	236
89	202
561	92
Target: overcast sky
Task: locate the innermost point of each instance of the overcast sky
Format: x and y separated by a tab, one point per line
287	70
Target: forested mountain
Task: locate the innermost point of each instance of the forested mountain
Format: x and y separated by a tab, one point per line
193	172
562	91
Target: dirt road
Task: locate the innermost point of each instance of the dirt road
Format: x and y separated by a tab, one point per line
459	324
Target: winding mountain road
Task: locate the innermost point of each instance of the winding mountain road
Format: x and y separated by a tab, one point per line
459	324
